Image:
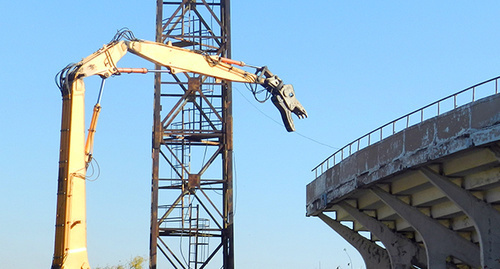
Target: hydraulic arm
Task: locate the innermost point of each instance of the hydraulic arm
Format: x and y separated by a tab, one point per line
70	249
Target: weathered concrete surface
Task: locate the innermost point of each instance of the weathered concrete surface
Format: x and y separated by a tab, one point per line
474	125
403	253
374	256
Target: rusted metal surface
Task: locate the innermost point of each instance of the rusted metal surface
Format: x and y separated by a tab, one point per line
192	139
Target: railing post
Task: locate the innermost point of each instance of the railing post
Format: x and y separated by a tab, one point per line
421	110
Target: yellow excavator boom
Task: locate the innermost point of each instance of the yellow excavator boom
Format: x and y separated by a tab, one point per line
70	249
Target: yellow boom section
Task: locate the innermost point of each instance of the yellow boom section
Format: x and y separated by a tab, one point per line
70	250
180	60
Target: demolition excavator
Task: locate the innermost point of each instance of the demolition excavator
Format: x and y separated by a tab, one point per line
70	250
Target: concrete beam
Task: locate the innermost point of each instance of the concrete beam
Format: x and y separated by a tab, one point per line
386	213
403	252
409	183
428	197
375	257
440	242
368	201
491	196
473	161
445	210
486	219
483	180
456	134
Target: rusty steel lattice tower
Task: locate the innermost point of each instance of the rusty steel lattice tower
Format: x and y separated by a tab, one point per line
192	193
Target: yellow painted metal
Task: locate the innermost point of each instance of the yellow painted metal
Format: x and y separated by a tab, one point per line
70	251
91	134
180	60
103	62
71	241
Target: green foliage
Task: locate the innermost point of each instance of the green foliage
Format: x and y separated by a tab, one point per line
135	263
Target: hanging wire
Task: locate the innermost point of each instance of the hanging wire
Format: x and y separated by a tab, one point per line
124	34
64	77
94	169
254	89
279	123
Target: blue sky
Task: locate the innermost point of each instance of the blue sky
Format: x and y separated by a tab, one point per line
354	67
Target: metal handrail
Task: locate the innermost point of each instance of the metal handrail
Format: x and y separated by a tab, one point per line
378	133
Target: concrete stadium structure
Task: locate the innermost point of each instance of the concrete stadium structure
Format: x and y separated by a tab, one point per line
425	196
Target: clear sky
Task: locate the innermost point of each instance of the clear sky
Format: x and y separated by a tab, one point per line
354	66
